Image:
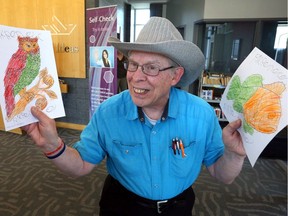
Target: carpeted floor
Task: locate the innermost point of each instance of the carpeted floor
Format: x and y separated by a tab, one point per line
31	186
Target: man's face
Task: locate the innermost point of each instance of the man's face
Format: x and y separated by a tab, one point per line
151	91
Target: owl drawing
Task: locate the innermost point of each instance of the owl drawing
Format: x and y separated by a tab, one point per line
23	67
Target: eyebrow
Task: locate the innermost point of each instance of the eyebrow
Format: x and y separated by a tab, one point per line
149	62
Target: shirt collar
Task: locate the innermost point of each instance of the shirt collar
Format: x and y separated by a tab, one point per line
163	117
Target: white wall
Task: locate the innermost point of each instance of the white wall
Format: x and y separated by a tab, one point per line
185	13
238	9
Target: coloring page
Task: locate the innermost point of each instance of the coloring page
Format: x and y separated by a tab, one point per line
28	76
257	94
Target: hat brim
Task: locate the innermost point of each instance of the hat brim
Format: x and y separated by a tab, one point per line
184	53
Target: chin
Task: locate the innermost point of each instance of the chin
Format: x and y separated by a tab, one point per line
138	102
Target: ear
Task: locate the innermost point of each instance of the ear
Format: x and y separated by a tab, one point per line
177	75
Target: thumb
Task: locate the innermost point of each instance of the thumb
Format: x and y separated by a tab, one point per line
37	113
232	126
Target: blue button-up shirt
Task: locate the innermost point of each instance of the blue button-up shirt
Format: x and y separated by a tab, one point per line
140	155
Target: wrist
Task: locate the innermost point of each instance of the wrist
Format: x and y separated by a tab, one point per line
234	154
51	145
57	151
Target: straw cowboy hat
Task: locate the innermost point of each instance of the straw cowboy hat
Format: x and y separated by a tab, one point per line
159	35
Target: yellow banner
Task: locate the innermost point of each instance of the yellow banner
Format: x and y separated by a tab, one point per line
65	20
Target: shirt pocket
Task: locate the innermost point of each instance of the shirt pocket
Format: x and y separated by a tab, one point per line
127	158
182	166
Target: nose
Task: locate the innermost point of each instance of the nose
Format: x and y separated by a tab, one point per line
138	74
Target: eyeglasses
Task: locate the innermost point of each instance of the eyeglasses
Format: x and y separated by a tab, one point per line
148	69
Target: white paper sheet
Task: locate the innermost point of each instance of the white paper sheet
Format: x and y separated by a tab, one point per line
257	94
28	53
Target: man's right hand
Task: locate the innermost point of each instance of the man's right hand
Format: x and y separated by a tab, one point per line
43	133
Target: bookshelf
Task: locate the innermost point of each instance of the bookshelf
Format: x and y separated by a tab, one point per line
211	88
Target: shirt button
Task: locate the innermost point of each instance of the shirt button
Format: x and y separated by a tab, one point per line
156	185
126	151
154	132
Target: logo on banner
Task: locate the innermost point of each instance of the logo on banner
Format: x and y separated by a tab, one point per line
59	28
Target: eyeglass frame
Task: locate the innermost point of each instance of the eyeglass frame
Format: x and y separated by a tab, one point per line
126	64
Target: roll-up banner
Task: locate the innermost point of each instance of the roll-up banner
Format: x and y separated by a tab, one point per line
102	58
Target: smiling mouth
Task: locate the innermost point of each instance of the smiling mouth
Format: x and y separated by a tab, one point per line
139	91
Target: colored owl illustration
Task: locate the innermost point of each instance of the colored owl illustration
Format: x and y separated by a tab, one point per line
22	69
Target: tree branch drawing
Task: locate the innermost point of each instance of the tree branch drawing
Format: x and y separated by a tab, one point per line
40	91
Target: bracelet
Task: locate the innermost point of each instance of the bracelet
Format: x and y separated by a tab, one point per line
56	150
59	153
60	150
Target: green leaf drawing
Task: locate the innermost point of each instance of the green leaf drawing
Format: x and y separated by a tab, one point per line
238	106
253	81
247	128
234	89
241	93
246	94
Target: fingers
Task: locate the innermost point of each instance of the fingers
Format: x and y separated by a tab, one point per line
44	120
38	113
230	131
43	132
232	138
232	126
24	128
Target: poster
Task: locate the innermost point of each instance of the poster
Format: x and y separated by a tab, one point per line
65	20
257	94
28	76
102	58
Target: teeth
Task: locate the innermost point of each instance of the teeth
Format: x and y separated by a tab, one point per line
139	91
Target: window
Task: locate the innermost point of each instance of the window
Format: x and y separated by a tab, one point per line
139	17
226	45
281	36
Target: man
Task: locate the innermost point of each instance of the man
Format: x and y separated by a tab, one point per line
121	72
154	137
